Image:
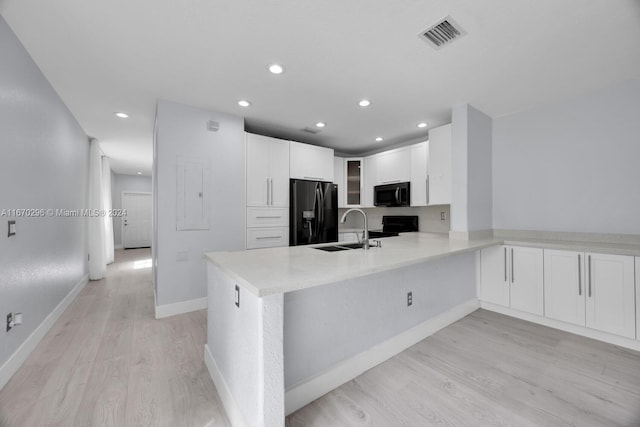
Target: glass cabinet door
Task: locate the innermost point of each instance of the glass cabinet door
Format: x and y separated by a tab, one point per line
353	181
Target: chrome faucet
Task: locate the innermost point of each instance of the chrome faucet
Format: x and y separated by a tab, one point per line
365	239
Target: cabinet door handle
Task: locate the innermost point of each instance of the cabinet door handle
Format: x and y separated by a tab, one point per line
271	216
589	267
268	192
512	270
268	237
271	190
428	199
505	265
579	275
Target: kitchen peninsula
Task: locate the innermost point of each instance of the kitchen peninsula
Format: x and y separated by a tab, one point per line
287	325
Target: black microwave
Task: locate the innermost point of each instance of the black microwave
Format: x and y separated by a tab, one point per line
392	194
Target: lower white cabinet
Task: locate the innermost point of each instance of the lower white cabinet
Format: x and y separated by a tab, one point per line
267	227
268	237
592	290
512	276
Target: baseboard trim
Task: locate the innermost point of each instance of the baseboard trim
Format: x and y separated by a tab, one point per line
306	392
118	247
563	326
11	366
230	405
181	307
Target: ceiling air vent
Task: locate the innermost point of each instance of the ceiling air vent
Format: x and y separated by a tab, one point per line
442	33
311	130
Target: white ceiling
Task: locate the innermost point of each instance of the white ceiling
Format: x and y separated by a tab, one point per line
122	55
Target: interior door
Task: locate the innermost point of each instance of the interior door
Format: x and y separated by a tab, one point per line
136	225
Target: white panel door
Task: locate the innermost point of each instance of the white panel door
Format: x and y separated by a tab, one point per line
136	226
494	284
611	294
564	286
527	280
258	185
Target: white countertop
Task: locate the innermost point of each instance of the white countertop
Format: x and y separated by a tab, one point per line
280	270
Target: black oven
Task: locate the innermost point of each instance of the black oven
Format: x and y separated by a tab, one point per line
392	194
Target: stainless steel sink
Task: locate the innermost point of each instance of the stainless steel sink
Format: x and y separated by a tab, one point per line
337	248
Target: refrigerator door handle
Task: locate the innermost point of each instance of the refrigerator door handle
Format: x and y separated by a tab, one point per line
398	195
293	220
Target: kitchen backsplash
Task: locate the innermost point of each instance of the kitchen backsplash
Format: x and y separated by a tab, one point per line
428	217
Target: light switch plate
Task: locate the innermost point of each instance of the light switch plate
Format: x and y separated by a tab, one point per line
11	228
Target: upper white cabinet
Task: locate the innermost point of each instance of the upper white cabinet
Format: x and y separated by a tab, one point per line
311	162
338	178
512	276
592	290
439	166
267	171
419	155
369	181
393	166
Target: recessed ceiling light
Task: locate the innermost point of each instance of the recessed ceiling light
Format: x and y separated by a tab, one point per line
139	173
422	125
320	124
244	103
378	139
121	115
364	103
276	68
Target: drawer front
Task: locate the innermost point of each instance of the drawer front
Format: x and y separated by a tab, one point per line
267	217
267	237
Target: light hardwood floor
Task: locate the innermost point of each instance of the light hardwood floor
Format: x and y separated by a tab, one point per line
108	361
490	370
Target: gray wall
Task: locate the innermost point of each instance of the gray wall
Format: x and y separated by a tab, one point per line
327	324
122	183
182	131
571	166
43	164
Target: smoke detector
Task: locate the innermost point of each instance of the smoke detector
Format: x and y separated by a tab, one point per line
442	33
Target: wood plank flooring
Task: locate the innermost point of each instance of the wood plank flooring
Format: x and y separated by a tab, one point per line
490	370
108	362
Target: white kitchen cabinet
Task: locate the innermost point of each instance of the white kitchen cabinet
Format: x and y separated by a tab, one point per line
592	290
267	171
512	276
338	179
419	155
439	166
564	286
270	237
610	305
353	181
311	162
393	166
369	181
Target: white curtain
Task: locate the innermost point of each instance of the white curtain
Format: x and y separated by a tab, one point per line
106	203
97	259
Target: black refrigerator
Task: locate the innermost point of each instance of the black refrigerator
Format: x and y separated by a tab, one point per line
313	212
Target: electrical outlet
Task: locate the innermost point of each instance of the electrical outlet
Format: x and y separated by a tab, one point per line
443	216
11	228
409	299
9	321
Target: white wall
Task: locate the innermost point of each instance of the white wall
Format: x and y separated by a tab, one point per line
182	131
570	166
120	183
43	165
471	203
327	324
